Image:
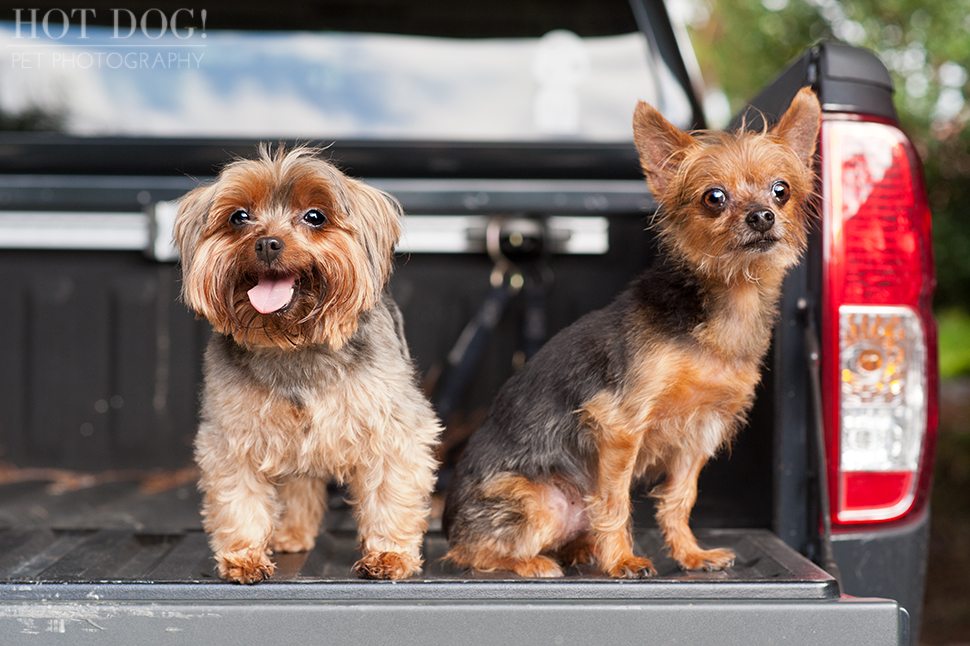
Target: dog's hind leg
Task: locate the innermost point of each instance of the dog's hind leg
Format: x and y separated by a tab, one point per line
488	559
511	521
303	501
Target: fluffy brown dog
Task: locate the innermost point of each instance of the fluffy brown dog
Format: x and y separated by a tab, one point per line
307	374
657	382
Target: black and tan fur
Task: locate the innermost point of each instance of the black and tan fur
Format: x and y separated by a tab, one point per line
656	383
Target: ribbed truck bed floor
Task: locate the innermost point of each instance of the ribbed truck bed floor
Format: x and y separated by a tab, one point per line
110	572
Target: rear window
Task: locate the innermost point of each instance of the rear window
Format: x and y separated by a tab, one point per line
468	71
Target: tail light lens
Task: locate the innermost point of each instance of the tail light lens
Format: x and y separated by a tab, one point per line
880	363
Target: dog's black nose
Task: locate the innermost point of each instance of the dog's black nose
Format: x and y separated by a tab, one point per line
761	220
269	249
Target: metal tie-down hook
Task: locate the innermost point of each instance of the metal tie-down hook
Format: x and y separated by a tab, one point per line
513	243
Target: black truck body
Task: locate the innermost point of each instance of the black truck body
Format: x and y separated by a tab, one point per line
100	364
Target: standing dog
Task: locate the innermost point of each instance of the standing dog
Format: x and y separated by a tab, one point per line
307	374
655	383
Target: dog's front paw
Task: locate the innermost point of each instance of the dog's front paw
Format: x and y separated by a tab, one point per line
537	567
387	565
634	567
245	566
287	541
716	559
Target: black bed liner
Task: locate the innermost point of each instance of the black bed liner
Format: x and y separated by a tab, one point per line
117	541
125	565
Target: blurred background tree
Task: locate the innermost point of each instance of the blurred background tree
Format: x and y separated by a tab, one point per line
741	44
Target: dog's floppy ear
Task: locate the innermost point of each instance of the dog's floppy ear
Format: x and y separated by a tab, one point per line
662	146
798	127
378	216
190	221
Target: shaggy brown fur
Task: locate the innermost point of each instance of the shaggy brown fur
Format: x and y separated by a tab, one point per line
307	375
654	384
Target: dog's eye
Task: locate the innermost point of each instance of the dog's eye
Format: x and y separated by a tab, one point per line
238	218
715	199
781	192
315	218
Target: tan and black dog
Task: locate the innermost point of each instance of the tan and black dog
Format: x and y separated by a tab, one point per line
656	383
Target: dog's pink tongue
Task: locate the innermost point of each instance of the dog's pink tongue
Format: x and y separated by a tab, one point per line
272	294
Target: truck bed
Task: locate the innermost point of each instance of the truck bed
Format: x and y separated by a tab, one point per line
90	564
129	532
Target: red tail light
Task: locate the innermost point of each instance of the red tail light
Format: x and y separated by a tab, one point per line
879	337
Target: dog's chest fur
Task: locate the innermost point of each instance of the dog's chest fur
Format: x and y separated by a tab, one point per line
690	402
310	410
695	364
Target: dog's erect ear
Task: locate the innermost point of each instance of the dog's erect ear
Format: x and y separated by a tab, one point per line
661	145
798	127
190	221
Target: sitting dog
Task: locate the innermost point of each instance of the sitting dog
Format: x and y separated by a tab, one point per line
307	374
658	381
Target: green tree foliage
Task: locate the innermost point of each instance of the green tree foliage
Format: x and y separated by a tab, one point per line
741	44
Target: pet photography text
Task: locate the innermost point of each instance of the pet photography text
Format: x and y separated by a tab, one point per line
119	38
